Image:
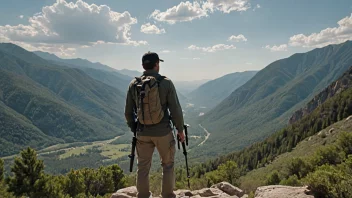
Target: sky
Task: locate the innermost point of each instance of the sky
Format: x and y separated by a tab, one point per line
197	39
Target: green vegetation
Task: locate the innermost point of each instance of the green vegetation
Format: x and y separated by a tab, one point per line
213	92
28	179
43	104
264	104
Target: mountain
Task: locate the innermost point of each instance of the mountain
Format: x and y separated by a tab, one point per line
265	103
43	103
185	87
320	128
213	92
343	83
78	62
130	73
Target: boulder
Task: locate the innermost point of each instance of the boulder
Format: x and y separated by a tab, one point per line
278	191
120	195
183	193
209	192
229	189
131	191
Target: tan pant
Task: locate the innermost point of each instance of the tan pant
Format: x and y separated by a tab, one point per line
145	148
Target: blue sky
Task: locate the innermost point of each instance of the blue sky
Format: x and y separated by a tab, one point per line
192	36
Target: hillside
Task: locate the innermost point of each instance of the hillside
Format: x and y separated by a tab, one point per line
264	104
338	86
47	104
312	138
213	92
187	86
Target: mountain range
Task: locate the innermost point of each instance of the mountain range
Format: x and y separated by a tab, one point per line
215	91
44	103
265	103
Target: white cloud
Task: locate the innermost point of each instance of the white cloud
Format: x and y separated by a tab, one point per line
237	38
21	16
277	48
151	29
165	51
256	7
196	58
79	23
227	6
215	48
185	11
325	37
248	63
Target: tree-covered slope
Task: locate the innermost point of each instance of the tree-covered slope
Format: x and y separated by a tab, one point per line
213	92
265	103
59	102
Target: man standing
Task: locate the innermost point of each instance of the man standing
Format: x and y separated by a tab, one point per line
151	98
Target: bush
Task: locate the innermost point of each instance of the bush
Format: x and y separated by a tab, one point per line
273	178
326	182
291	181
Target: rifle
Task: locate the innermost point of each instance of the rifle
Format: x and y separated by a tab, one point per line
185	151
183	147
132	155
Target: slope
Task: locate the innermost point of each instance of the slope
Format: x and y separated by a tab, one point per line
328	119
265	103
57	101
213	92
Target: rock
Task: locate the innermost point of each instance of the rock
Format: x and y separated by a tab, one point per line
209	192
245	196
131	191
278	191
331	130
349	118
229	189
183	193
120	195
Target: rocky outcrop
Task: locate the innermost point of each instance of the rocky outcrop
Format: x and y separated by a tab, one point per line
225	189
343	83
279	191
222	189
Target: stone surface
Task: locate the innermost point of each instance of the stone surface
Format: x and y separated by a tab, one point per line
183	193
131	191
208	192
229	189
278	191
120	195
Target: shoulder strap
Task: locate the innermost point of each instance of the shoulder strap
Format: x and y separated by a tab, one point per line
160	78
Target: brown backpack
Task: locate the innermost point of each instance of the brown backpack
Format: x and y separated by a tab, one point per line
149	109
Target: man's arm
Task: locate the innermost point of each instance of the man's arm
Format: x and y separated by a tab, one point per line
175	108
129	110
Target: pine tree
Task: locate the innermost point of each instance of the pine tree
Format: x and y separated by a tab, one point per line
74	184
27	170
117	177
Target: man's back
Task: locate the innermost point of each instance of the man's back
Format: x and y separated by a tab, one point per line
169	102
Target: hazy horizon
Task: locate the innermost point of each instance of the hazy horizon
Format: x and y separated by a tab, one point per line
197	39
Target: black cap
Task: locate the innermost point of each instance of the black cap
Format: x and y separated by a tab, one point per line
150	57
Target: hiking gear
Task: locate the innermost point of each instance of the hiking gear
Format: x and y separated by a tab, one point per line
151	57
169	102
166	149
149	109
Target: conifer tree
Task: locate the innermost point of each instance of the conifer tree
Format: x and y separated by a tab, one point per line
27	170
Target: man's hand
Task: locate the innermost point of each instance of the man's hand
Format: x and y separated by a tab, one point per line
181	136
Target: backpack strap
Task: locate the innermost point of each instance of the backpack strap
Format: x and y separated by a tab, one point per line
159	79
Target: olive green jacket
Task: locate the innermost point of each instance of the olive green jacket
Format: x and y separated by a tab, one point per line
169	102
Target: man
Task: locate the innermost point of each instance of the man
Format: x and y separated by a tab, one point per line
157	135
